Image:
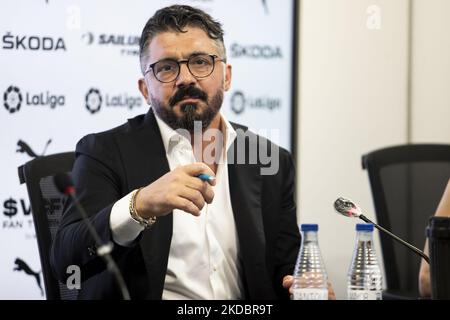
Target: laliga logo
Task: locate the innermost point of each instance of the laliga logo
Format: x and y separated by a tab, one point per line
93	100
12	99
240	101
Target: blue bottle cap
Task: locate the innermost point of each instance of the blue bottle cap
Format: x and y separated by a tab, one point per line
364	227
309	227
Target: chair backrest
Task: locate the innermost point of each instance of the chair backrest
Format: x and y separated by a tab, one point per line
47	206
407	182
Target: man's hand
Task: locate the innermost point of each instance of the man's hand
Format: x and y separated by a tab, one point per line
178	189
288	280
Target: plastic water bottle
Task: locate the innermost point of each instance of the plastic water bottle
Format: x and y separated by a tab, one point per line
364	274
310	276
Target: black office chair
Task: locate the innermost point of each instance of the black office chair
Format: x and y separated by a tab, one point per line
407	183
46	206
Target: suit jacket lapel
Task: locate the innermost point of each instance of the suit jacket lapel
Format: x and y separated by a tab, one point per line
145	160
245	192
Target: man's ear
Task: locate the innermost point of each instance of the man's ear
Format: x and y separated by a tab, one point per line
227	82
144	89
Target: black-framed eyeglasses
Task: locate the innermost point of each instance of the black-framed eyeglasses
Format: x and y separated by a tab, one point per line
199	65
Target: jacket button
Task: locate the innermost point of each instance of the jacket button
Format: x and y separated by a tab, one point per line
92	250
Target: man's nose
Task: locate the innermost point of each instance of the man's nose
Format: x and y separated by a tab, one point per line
185	78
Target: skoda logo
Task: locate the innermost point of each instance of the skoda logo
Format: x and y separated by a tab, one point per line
238	102
12	99
93	100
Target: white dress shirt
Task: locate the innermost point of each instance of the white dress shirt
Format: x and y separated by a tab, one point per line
203	257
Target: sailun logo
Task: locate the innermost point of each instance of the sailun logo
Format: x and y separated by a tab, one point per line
88	37
125	44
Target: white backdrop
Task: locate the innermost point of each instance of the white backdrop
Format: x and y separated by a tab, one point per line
68	68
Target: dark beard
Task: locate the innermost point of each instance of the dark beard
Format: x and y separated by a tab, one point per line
190	110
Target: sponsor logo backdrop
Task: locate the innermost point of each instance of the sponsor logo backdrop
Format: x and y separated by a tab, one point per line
69	68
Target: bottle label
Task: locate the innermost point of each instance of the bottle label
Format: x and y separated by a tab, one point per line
310	294
364	295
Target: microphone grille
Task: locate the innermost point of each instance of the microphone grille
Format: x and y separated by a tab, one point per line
346	207
63	182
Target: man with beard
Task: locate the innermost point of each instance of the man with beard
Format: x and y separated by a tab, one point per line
177	236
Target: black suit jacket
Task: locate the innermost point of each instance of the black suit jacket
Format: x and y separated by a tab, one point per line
111	164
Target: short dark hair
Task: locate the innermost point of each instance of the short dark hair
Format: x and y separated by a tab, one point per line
176	18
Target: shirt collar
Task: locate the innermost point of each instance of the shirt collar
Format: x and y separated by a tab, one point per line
230	133
170	137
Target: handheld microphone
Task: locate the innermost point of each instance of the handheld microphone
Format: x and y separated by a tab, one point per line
64	184
348	208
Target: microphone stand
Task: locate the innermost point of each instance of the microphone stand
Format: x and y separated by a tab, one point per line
403	242
103	250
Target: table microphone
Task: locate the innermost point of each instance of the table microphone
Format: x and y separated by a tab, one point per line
64	184
348	208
